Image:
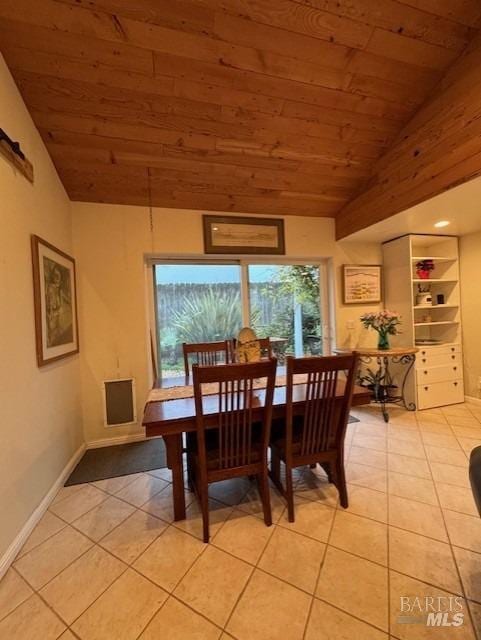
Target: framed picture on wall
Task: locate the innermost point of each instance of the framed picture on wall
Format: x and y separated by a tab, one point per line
55	302
362	283
235	234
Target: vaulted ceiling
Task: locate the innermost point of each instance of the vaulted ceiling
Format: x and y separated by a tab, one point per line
265	106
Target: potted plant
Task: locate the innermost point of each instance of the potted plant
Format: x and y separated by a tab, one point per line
376	382
424	268
385	323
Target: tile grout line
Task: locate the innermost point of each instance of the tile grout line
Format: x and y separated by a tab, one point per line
388	531
171	524
195	537
66	523
23	601
463	592
88	607
94	544
255	568
321	565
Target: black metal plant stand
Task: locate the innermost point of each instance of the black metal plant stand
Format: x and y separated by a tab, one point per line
384	390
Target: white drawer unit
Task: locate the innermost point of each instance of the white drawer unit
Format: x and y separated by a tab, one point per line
437	359
440	394
439	376
439	356
438	351
442	373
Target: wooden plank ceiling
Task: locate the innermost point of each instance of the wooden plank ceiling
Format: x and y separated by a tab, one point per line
265	106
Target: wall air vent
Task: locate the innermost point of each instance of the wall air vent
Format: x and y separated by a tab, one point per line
119	402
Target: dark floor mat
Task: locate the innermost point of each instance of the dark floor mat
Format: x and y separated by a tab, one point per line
119	460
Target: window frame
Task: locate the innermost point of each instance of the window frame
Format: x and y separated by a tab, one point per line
325	290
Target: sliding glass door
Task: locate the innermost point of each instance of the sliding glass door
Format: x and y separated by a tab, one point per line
284	304
196	302
208	301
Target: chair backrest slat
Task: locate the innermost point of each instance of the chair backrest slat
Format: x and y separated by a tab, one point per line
237	400
205	353
325	418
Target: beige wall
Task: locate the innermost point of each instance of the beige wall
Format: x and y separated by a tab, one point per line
470	272
111	243
40	408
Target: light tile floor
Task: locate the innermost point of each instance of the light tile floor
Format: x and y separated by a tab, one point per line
106	562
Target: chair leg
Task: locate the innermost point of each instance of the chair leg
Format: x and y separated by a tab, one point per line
263	481
341	482
204	505
289	494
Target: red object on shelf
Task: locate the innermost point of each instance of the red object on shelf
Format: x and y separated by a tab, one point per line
423	275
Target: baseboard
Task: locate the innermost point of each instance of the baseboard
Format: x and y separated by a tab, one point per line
12	551
109	442
473	399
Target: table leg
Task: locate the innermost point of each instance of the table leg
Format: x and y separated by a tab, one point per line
385	391
173	446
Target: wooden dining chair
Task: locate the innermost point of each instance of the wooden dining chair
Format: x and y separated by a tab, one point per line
237	421
317	434
208	353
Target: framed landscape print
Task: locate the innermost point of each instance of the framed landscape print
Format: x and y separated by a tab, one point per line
55	302
362	283
234	234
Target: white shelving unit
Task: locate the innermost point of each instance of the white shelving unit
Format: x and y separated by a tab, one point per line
437	378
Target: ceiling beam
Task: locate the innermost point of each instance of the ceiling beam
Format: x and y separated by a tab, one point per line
439	148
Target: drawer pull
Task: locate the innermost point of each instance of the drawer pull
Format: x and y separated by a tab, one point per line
426	388
424	359
455	384
453	357
455	368
423	353
452	348
425	373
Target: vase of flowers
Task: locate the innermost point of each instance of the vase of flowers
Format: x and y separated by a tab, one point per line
424	268
385	323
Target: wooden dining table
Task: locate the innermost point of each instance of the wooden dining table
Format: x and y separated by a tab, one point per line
171	418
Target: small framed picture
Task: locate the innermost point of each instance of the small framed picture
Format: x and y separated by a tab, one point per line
362	284
233	234
55	302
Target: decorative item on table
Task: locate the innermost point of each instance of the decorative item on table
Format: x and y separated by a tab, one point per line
424	297
248	348
385	323
424	268
440	298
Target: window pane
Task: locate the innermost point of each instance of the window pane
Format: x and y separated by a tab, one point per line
195	303
285	306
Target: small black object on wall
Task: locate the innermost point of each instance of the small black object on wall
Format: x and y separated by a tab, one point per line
10	150
440	298
15	146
